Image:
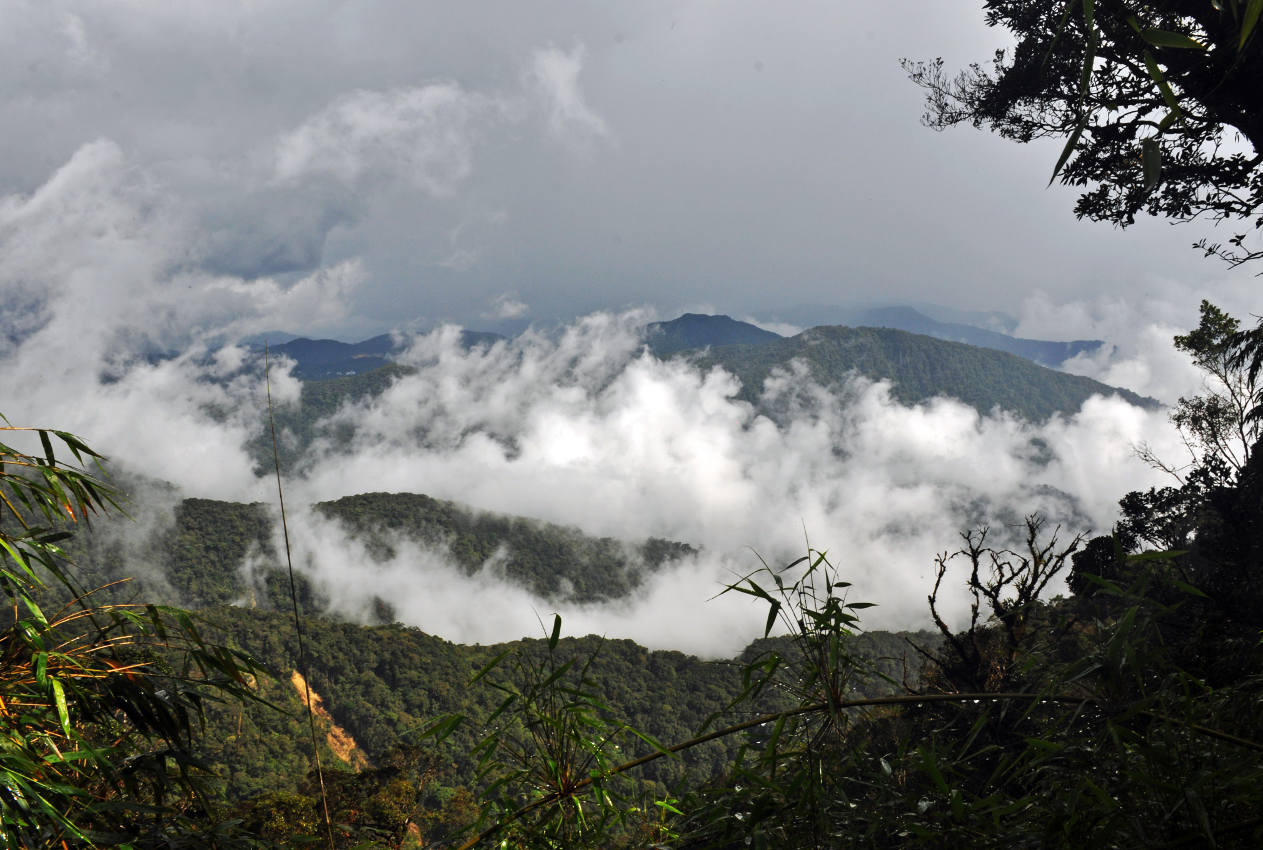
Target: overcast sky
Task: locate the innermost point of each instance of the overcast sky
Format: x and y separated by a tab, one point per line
477	161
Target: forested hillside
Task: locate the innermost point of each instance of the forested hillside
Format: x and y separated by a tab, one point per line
219	553
918	368
551	561
384	685
381	687
1045	352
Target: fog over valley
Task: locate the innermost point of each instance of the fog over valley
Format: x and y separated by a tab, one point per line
120	339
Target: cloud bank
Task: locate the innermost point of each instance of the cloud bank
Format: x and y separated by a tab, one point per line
116	334
584	429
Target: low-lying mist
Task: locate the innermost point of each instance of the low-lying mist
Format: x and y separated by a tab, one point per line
115	334
585	429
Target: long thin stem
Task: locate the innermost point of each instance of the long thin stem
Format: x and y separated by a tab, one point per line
293	597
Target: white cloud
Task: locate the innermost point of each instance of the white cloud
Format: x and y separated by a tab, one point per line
1139	351
423	133
506	306
554	74
582	430
114	326
782	328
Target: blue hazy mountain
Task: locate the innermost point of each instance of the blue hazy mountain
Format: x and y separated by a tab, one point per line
316	359
985	329
1046	352
694	330
320	359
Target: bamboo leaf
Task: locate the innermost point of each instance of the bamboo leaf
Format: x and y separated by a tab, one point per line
1160	81
556	633
489	666
63	711
773	610
443	727
1166	38
1252	10
1067	150
930	763
1189	589
1157	556
1151	161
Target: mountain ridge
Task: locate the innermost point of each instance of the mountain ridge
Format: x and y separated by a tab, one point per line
1051	353
322	359
919	367
700	330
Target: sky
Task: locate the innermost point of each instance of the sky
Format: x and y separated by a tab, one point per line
175	175
497	160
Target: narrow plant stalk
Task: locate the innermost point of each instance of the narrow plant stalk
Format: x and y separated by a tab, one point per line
293	596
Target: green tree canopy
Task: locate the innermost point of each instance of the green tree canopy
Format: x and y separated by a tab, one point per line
1158	101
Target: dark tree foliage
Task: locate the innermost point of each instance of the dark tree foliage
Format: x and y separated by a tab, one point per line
1158	101
1004	588
1112	721
1167	517
1227	555
1219	429
553	561
1103	557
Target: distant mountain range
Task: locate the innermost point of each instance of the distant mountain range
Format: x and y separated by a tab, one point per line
697	331
316	359
855	313
1044	352
321	359
694	330
919	367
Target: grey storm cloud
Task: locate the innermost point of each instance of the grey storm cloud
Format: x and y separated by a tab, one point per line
744	154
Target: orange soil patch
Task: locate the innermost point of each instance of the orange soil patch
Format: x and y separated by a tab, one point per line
338	739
